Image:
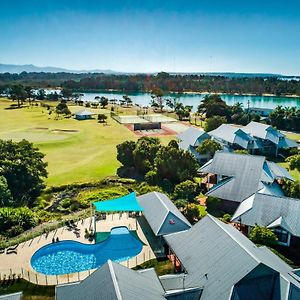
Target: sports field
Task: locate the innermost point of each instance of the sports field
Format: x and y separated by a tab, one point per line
76	151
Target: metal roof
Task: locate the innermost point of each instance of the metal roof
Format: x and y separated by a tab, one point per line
13	296
84	112
234	135
191	137
267	132
270	211
245	175
161	214
216	257
114	282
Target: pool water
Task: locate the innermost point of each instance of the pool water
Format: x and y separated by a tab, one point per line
70	256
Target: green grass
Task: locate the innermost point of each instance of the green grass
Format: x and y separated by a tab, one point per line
30	291
294	173
87	154
294	136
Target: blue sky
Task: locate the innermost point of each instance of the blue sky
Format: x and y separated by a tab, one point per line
149	36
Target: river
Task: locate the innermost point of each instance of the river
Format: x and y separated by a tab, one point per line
144	99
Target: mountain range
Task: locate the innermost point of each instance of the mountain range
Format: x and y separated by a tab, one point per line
10	68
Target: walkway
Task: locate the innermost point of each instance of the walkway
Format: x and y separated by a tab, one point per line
19	264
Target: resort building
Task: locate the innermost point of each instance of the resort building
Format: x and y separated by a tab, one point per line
84	114
235	177
190	139
227	265
114	282
262	112
206	253
161	214
278	213
233	138
270	138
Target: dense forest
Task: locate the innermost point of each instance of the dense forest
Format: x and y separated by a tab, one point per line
147	83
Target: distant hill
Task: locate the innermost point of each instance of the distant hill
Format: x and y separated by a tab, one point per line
6	68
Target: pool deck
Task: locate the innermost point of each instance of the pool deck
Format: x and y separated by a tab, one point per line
19	263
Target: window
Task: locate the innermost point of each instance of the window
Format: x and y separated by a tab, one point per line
282	235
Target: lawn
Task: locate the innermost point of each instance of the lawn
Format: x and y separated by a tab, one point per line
30	291
76	151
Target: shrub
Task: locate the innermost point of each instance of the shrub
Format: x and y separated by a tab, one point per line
214	122
151	177
186	190
263	236
14	231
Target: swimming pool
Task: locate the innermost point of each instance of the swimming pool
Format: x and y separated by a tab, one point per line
70	256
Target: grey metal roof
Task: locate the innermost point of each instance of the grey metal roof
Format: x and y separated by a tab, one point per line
216	257
84	112
13	296
114	281
270	211
234	135
161	214
191	137
246	174
267	132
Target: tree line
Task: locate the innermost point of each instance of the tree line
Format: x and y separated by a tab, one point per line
146	83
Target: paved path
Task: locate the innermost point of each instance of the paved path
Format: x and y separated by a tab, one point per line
20	263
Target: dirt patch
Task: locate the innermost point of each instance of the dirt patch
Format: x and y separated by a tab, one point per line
64	130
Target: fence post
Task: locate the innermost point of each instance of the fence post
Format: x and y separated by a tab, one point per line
22	272
136	261
56	279
36	279
28	276
144	256
68	277
46	280
78	277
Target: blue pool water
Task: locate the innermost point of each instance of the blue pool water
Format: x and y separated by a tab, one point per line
70	256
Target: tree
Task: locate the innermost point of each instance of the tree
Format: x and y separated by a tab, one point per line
157	98
127	100
214	122
102	118
263	236
41	94
17	92
29	93
24	170
186	190
103	101
213	105
62	108
175	165
183	112
5	194
208	147
291	188
277	117
125	153
294	162
144	154
66	93
192	212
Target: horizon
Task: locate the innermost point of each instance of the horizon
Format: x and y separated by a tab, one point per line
150	37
